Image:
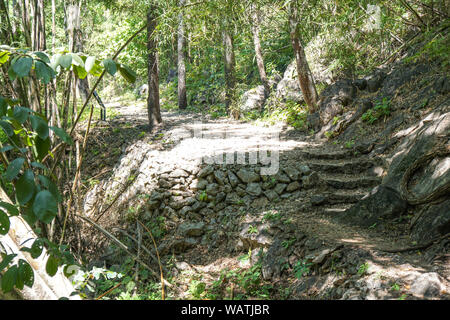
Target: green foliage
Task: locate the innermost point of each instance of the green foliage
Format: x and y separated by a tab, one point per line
381	109
301	268
362	269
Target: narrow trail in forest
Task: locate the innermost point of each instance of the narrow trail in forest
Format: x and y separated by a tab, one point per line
159	172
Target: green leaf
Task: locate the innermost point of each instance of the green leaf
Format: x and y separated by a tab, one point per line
38	165
12	210
21	114
25	275
43	56
9	279
90	63
50	186
44	72
14	168
4	57
7	128
6	260
127	73
22	66
6	148
25	187
36	248
3	106
76	60
4	223
42	147
110	66
62	135
51	266
80	72
40	126
45	206
65	61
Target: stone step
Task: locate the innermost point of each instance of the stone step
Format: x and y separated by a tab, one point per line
335	155
340	197
349	167
339	181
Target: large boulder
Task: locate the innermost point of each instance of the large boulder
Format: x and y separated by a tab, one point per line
288	89
334	98
253	99
382	203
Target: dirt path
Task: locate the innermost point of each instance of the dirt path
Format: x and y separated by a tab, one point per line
130	170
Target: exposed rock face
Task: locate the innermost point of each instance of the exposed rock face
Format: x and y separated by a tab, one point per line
382	203
253	99
433	222
334	98
288	88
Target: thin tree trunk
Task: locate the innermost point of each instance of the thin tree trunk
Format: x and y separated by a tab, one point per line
229	67
255	13
182	101
305	77
154	113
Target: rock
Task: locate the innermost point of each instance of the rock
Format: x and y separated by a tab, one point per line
253	99
201	184
232	198
177	173
280	187
334	98
181	245
248	176
260	202
311	180
382	203
288	89
177	202
361	84
254	189
255	236
317	200
304	169
375	81
212	189
434	222
191	229
270	265
271	195
313	121
234	181
427	285
205	171
220	177
293	186
292	173
198	205
240	191
185	210
280	177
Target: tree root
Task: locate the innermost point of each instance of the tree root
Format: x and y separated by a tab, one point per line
418	247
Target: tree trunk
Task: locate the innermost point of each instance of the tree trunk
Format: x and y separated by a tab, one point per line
153	107
305	77
230	79
44	287
182	101
255	17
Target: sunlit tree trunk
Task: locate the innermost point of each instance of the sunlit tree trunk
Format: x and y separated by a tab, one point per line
229	66
153	107
255	21
181	48
305	77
